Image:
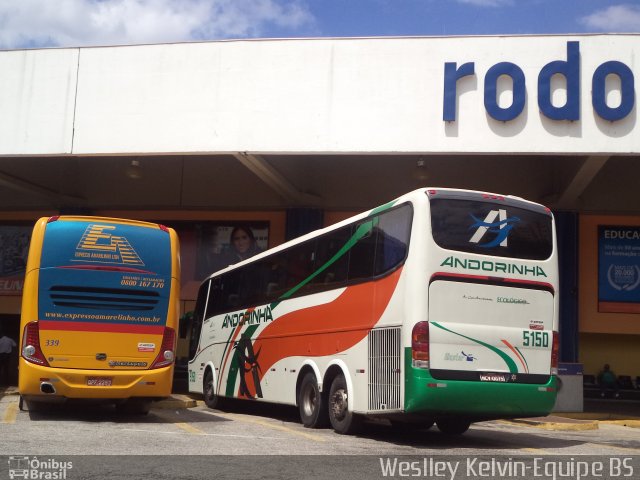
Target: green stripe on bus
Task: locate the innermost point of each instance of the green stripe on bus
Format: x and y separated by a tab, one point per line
513	368
524	358
235	363
362	231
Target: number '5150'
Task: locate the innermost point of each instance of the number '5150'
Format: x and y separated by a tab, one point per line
535	339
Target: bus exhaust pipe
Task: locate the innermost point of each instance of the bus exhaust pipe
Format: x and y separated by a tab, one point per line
46	387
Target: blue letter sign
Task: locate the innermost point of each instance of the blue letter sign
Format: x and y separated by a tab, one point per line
569	69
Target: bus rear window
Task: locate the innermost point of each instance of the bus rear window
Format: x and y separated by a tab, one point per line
491	228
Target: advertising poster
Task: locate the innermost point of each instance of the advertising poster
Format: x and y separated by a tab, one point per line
618	269
222	244
14	248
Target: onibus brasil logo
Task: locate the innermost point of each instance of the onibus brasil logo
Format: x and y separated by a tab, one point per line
34	468
497	223
99	244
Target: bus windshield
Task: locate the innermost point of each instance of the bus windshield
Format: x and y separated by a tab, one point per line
501	229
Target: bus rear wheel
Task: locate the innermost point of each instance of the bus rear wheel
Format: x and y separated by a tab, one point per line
134	406
210	397
312	404
453	426
343	420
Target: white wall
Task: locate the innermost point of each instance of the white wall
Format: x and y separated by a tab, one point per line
322	95
37	97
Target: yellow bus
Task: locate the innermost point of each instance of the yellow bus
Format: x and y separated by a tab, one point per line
99	312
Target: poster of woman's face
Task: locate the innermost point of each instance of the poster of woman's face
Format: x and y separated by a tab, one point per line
220	245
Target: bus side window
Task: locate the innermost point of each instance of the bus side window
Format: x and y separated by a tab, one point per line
362	253
394	230
198	318
254	283
231	290
299	264
275	277
335	269
213	305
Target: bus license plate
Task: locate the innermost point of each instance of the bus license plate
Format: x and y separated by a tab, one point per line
493	377
99	381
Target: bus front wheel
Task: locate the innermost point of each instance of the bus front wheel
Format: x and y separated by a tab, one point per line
343	420
312	404
210	397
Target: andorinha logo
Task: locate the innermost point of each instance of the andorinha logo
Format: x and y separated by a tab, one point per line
492	267
98	244
250	317
497	223
35	468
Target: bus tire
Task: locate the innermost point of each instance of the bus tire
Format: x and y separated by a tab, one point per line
343	420
134	406
411	426
453	426
209	390
312	403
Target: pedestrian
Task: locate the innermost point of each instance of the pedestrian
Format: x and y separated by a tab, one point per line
608	381
7	344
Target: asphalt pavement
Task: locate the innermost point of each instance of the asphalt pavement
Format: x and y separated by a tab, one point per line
618	411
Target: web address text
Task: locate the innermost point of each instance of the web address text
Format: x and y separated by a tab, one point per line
96	316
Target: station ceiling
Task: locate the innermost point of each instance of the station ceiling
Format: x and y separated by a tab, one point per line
606	185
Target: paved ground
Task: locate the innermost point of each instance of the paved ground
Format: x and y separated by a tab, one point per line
615	411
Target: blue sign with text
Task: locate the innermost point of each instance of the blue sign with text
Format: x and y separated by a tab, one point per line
618	266
569	69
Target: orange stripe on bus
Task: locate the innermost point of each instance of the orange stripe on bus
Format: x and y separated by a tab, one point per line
326	329
519	357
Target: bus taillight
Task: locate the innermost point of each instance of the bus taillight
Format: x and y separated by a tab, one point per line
555	353
420	345
31	350
166	355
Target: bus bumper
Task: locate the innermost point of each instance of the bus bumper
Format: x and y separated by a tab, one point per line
42	383
479	400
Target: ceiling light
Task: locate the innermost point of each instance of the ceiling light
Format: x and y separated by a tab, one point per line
420	172
134	170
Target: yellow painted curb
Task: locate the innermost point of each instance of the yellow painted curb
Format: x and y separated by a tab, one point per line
560	426
625	423
175	403
596	416
569	427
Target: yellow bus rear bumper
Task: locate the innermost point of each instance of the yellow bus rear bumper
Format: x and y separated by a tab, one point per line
35	381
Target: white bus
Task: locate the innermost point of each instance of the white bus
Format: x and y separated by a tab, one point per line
438	307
